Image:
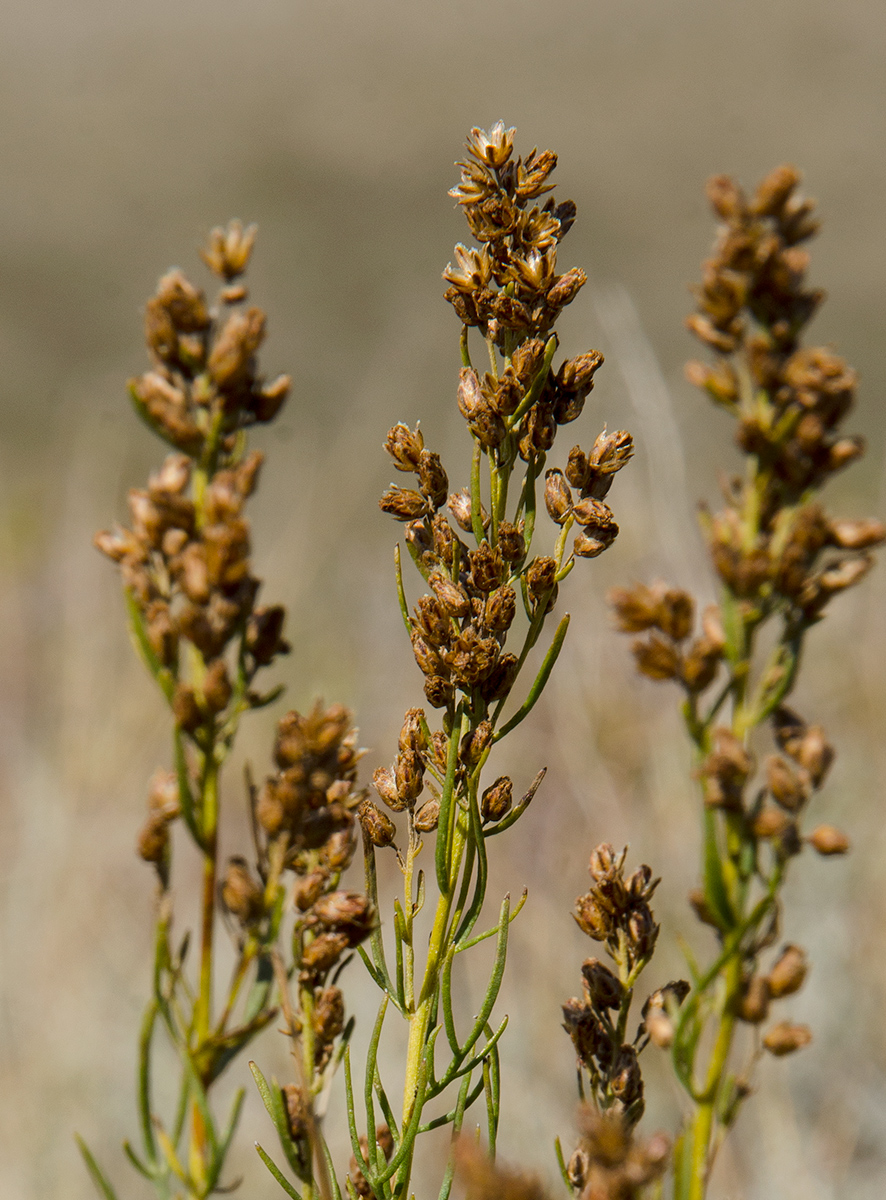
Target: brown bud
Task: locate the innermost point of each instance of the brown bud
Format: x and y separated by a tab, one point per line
753	1006
324	952
307	889
827	839
700	664
789	972
577	1169
527	359
785	1038
329	1015
378	826
558	497
153	838
676	611
427	816
412	735
496	800
511	542
540	576
501	608
270	398
459	504
408	774
439	691
857	535
241	894
297	1110
788	787
229	249
433	480
769	823
656	657
591	918
500	679
451	596
604	989
270	811
403	504
626	1080
405	446
263	634
385	783
577	374
702	909
470	398
217	689
347	912
474	744
611	452
486	567
185	304
725	197
815	754
230	360
186	710
770	196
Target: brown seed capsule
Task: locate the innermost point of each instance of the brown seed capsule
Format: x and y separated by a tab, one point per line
329	1014
591	918
486	567
403	504
470	398
540	576
427	816
474	744
241	894
501	608
789	972
307	889
346	912
655	657
450	596
496	800
439	692
611	451
702	909
577	374
229	249
577	1169
385	783
408	774
788	787
217	688
378	826
626	1080
459	504
676	611
827	839
153	838
785	1038
405	446
815	754
769	823
433	480
604	989
324	952
297	1110
558	497
185	708
230	360
511	542
753	1006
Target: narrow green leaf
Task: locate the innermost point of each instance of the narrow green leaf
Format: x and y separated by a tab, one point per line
102	1186
277	1173
541	680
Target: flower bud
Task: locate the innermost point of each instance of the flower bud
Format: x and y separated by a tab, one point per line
753	1005
377	825
785	1038
604	989
496	800
241	894
427	816
324	952
789	972
827	839
433	480
558	497
403	504
405	446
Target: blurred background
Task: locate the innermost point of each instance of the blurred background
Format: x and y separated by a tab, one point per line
129	130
